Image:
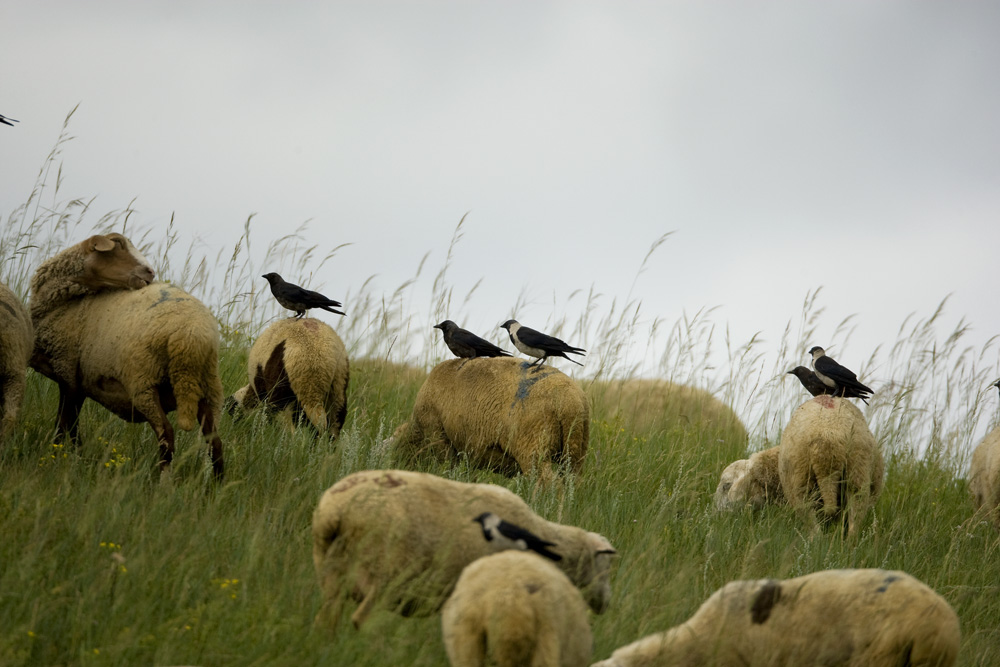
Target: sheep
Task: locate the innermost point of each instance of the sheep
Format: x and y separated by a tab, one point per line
105	331
299	364
518	609
649	406
829	460
851	618
984	476
754	481
500	413
16	336
401	539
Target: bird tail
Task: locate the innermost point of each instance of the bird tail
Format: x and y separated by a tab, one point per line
331	310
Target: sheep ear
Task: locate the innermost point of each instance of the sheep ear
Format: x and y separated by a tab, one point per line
102	244
600	544
608	551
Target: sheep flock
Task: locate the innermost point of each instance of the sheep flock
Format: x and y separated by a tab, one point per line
100	326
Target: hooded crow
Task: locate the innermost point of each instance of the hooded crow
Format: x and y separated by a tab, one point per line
508	536
834	375
536	344
7	121
816	387
467	345
297	298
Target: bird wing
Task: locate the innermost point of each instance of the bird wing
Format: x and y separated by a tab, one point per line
514	533
316	297
537	339
834	371
481	346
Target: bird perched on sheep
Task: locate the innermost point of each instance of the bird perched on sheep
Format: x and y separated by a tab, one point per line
984	474
817	387
467	345
536	344
299	299
854	618
829	462
514	609
400	539
509	536
499	415
301	365
16	336
754	482
835	376
104	331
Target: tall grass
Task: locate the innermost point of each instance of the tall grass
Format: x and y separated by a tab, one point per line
102	565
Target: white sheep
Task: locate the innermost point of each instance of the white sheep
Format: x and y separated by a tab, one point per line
104	331
300	365
850	618
15	351
754	482
829	462
984	476
502	414
517	610
402	538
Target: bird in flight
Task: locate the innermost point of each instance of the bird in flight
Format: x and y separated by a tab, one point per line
299	299
536	344
467	345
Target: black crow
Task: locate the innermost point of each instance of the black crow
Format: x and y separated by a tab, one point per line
816	387
297	298
536	344
508	536
834	375
467	345
7	121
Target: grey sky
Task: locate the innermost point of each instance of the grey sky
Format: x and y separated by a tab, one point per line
852	145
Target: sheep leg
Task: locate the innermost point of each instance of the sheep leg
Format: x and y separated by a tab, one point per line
11	393
829	490
365	608
207	419
68	419
147	403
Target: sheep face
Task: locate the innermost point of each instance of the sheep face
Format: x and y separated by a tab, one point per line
112	261
597	593
725	497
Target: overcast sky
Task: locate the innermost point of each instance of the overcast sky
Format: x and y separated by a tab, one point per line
789	145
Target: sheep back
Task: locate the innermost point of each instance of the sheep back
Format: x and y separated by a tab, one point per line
402	538
754	482
855	618
118	347
501	413
984	476
829	461
300	364
15	351
516	609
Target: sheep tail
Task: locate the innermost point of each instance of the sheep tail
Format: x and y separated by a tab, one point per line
192	357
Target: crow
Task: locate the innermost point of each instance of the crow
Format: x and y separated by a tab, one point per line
996	384
467	345
816	387
297	298
508	536
834	375
536	344
7	121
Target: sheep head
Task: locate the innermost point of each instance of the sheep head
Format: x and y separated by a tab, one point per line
725	493
597	590
112	261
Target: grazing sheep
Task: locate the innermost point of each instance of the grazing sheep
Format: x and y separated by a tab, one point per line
829	461
654	407
401	539
15	351
501	413
300	364
984	476
754	481
846	618
141	350
517	610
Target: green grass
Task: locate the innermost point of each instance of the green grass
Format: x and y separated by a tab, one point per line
101	563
